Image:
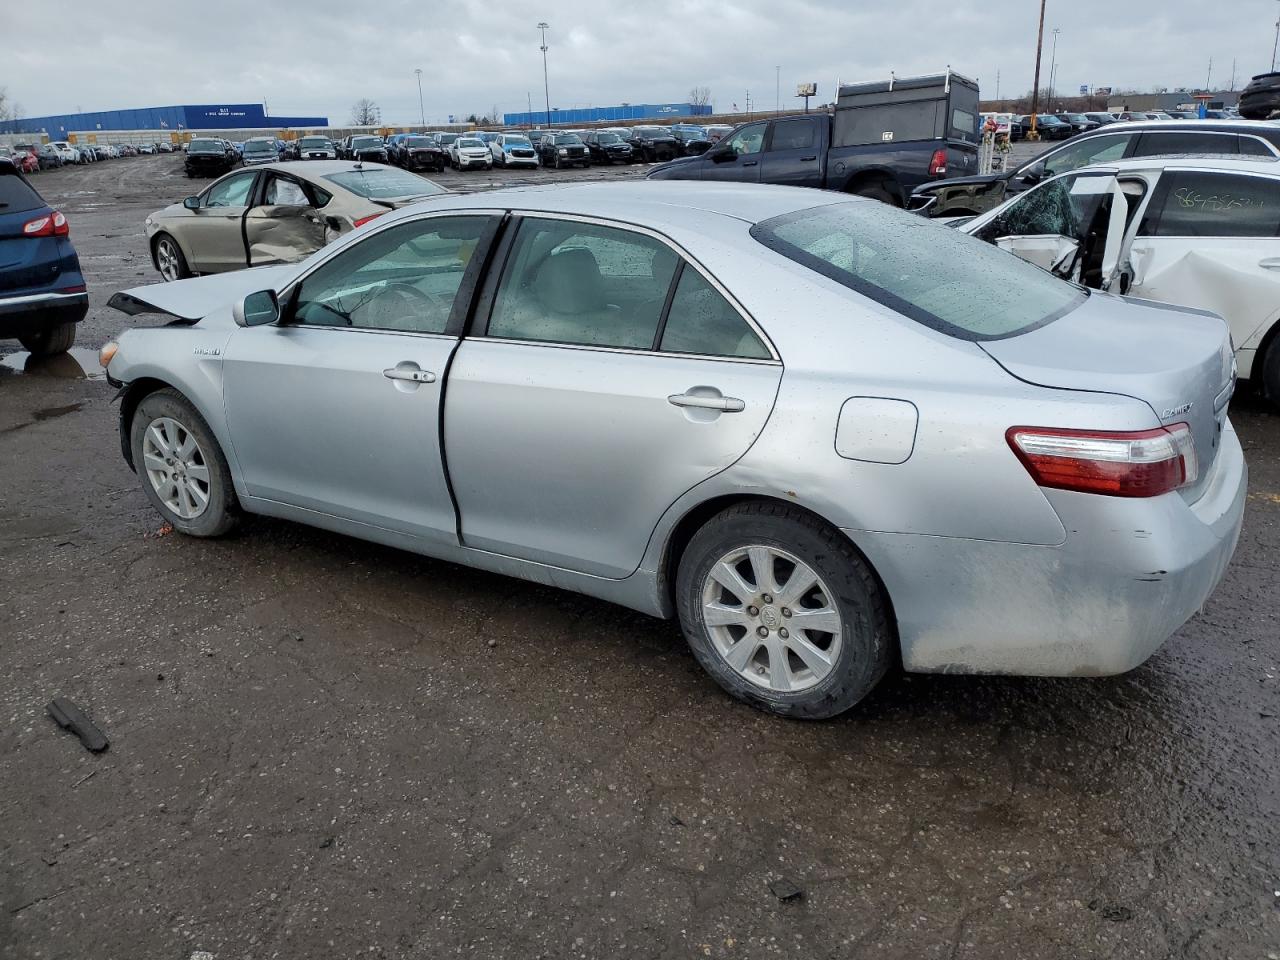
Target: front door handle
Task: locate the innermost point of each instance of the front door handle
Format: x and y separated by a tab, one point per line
807	159
1271	263
409	373
749	163
723	404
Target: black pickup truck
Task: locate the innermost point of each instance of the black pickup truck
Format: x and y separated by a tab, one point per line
883	140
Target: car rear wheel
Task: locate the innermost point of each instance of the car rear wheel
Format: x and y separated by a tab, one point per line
169	259
876	190
783	612
48	343
183	471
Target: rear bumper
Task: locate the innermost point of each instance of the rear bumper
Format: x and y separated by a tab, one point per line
34	312
1130	573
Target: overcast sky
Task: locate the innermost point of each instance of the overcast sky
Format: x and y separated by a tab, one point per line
319	56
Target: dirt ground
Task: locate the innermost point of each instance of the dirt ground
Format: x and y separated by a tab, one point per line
315	751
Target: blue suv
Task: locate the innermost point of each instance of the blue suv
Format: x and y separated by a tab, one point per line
42	292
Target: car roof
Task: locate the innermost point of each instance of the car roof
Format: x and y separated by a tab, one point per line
655	203
1225	163
1222	126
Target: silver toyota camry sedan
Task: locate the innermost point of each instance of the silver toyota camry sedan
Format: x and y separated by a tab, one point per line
824	434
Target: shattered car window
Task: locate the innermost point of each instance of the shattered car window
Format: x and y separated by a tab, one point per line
941	278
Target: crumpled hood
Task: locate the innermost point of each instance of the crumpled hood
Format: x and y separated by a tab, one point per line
199	296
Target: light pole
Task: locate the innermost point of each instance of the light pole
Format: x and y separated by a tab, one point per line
1053	65
1275	45
546	89
777	90
422	111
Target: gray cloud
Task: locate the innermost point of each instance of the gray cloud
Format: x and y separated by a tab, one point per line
322	55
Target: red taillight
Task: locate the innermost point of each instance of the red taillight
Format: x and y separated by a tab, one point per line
363	220
52	225
1140	463
938	164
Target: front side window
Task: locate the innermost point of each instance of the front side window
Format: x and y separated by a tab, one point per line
1053	208
583	284
1081	153
231	192
793	135
402	279
702	321
926	271
1194	203
748	140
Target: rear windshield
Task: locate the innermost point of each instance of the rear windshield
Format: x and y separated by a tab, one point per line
939	277
16	196
385	183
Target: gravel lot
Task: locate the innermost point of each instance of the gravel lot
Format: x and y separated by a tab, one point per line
316	752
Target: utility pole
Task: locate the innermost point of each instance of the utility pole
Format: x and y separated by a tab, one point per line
777	90
1274	45
1232	88
1033	133
422	111
997	84
1053	67
546	89
1209	78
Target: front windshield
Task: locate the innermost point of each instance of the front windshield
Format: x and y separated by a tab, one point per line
414	142
205	146
385	183
607	138
937	276
448	138
469	142
262	146
567	139
650	133
516	142
314	143
364	143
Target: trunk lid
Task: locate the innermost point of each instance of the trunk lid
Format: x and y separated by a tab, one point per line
1176	360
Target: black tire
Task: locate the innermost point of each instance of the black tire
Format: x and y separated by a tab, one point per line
51	342
876	190
1270	372
184	271
222	511
867	639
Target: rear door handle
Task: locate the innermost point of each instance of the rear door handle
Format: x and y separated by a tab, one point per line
1271	263
409	373
723	404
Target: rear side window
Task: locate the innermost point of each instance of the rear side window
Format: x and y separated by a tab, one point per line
1253	147
702	321
1156	143
928	272
793	135
16	196
1194	203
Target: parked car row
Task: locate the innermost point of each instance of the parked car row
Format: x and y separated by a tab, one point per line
1062	125
35	157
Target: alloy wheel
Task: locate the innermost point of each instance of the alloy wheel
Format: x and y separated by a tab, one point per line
176	467
167	256
772	618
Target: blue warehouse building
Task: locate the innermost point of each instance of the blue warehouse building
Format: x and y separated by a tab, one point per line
191	116
628	111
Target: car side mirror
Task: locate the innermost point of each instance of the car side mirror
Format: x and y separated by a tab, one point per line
1034	173
257	309
191	203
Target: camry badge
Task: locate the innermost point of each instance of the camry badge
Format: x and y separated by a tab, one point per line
1176	411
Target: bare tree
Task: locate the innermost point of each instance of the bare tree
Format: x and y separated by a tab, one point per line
365	113
700	96
9	108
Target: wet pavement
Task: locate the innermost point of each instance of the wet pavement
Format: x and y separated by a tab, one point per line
315	752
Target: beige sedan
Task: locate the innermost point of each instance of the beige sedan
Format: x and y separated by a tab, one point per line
276	213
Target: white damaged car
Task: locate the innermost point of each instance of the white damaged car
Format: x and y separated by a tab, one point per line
1200	232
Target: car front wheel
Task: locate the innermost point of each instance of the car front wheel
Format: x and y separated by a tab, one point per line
783	612
169	259
183	471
